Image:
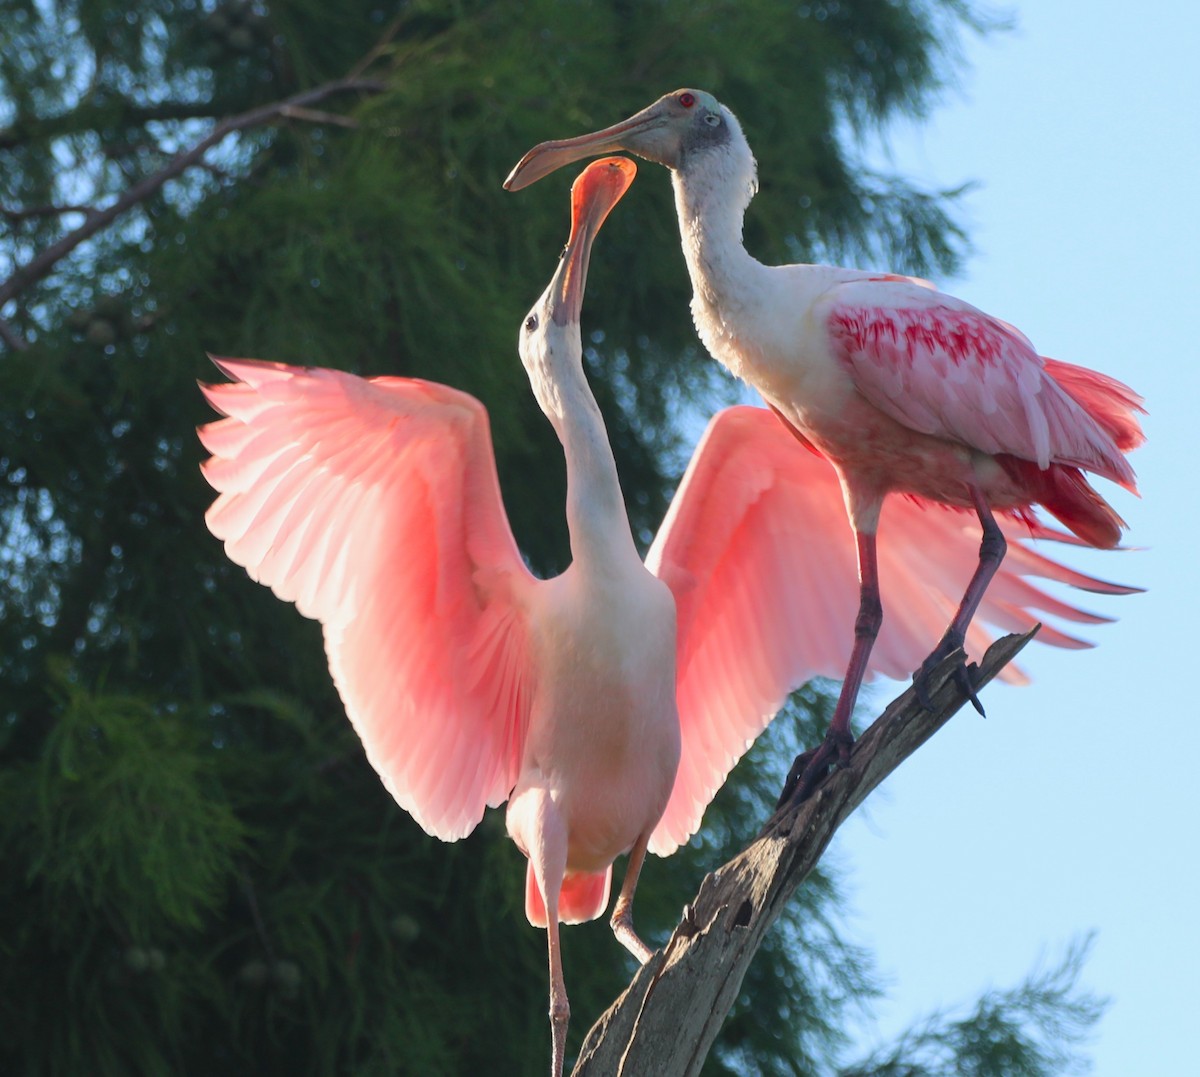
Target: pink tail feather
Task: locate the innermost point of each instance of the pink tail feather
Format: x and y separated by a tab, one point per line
583	897
1111	403
1066	494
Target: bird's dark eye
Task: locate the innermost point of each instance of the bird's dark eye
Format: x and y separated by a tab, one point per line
531	323
687	100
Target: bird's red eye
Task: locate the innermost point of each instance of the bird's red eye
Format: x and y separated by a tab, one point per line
687	100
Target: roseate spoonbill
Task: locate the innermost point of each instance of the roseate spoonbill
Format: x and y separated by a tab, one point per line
901	387
606	705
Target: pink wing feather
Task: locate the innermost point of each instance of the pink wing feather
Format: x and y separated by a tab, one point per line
759	555
374	506
942	367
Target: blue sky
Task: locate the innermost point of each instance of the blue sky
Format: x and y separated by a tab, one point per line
1073	806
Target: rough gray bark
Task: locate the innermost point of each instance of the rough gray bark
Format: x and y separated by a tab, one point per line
667	1019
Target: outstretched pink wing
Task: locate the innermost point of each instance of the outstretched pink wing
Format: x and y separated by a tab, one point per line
942	367
374	506
759	554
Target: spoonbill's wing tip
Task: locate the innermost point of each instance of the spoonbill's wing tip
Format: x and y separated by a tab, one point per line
223	363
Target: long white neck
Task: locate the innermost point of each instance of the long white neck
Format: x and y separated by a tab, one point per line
712	191
596	517
749	315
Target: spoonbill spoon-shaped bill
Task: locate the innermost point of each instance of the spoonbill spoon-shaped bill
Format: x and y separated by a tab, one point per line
902	388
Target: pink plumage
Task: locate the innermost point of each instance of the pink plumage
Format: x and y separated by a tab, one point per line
374	506
942	368
759	554
349	497
608	704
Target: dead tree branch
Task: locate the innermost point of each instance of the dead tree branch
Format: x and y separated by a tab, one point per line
43	262
317	116
667	1019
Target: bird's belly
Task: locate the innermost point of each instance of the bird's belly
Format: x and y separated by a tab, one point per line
608	794
604	819
876	455
610	770
878	451
604	729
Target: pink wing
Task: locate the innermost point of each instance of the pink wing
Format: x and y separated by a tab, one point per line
374	506
760	557
942	367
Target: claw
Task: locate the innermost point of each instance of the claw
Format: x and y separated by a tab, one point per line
921	685
810	768
947	645
797	771
966	681
962	676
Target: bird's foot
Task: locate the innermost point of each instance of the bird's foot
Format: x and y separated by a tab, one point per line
810	768
964	675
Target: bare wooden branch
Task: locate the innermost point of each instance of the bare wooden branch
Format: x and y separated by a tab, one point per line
43	262
667	1019
312	115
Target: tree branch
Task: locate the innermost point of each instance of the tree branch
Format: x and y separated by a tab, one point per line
89	113
667	1019
17	215
43	262
312	115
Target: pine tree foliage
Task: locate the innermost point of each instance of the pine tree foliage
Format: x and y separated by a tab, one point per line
201	872
1037	1027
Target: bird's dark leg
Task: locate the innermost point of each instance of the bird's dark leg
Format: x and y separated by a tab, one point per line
622	917
811	766
992	549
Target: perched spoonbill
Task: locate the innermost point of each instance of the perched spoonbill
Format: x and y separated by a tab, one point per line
901	387
608	704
